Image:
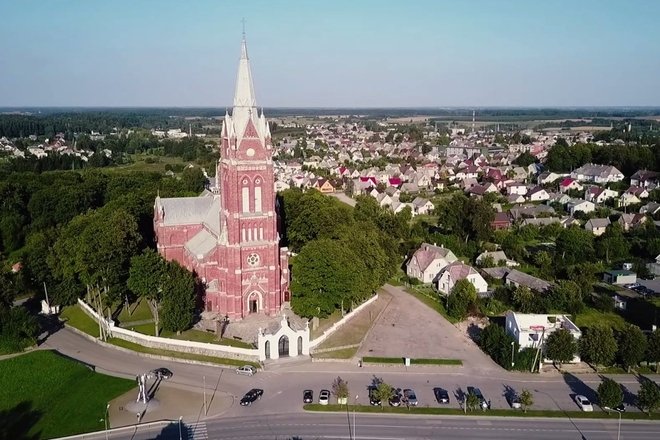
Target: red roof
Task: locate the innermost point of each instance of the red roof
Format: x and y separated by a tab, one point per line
567	182
394	181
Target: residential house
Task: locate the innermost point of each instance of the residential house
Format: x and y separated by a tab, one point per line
599	194
567	222
628	199
597	226
501	221
651	208
597	173
457	271
384	199
579	205
515	278
630	221
324	186
528	211
542	221
569	184
422	206
654	268
532	330
537	194
427	262
515	199
645	178
547	177
516	188
499	258
620	277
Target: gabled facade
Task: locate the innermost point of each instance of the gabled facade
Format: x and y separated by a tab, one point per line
428	261
457	271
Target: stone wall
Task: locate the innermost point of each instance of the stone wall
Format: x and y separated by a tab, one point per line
341	322
180	345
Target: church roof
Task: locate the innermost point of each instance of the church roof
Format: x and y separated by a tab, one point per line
202	243
204	209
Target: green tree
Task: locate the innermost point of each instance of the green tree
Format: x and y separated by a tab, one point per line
179	296
560	346
609	393
653	350
564	296
612	245
498	344
193	179
632	347
598	346
340	389
326	274
574	245
383	392
462	296
146	278
526	399
648	398
472	401
524	299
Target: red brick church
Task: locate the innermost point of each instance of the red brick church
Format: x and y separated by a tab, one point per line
229	234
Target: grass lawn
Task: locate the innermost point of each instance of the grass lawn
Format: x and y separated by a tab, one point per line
179	355
325	323
140	312
591	317
399	360
190	335
75	317
343	353
46	395
139	163
489	413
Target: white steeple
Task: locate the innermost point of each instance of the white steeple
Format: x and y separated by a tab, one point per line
244	100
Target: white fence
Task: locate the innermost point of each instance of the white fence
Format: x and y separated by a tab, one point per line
180	345
341	322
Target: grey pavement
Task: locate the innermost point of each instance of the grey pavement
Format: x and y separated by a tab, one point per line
409	328
389	426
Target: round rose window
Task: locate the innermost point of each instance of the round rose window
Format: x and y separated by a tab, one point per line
253	260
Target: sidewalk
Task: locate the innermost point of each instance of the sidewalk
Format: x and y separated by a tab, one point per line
169	402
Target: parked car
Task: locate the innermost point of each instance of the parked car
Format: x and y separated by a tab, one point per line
246	370
324	397
631	285
251	396
410	397
308	396
514	401
583	403
373	400
162	373
483	403
619	408
395	400
441	395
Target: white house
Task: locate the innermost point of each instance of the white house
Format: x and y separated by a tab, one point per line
428	261
516	188
599	195
597	173
576	205
457	271
597	226
422	206
499	259
569	184
538	194
532	330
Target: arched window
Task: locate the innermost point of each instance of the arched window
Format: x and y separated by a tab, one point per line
245	199
257	194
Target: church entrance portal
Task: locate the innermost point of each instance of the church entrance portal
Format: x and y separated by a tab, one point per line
283	346
267	346
253	306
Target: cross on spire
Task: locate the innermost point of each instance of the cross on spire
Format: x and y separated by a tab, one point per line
243	23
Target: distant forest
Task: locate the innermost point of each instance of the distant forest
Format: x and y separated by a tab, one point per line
21	122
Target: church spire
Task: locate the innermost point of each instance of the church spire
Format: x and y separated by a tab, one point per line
244	99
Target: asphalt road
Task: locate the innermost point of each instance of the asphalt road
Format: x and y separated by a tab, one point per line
283	384
386	427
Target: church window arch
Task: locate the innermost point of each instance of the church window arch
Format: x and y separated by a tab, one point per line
258	181
245	194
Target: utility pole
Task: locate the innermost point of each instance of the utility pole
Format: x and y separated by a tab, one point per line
206	411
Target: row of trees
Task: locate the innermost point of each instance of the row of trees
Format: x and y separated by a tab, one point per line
344	255
18	328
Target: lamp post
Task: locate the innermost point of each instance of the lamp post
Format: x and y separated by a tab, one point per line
107	407
206	411
513	344
180	417
354	426
618	432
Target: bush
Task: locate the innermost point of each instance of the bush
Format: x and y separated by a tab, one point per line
525	359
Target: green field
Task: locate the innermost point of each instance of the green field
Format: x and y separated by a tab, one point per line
591	317
44	395
75	317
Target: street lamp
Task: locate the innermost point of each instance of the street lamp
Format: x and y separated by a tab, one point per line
107	407
618	433
354	426
180	417
513	344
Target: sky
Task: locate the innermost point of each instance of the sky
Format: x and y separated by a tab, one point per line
358	53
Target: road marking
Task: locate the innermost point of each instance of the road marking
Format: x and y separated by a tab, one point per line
197	431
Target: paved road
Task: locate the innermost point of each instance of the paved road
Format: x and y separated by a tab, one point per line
374	426
283	383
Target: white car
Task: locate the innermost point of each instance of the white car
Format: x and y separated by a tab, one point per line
324	397
247	370
584	403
